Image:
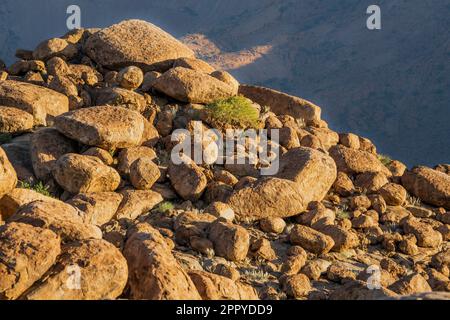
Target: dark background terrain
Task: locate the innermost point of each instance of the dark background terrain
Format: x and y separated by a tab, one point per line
390	85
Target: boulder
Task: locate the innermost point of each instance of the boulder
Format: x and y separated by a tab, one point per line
106	127
230	241
304	175
87	270
215	287
354	161
310	239
27	252
154	273
98	207
120	97
429	185
144	173
426	236
135	42
14	120
187	179
55	47
411	284
47	146
192	86
137	202
272	225
282	104
8	176
394	194
297	286
128	156
77	173
44	104
61	218
19	197
130	78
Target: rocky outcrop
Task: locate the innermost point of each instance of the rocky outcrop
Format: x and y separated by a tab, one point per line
135	42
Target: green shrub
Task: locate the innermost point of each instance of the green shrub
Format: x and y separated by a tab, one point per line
234	112
38	187
384	159
165	206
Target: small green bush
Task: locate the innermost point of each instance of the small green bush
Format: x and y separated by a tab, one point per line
384	159
234	112
38	187
165	206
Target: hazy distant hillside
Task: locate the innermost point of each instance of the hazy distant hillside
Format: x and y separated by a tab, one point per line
390	85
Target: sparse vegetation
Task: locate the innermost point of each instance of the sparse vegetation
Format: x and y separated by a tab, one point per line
256	275
384	159
414	201
38	187
343	213
165	206
237	112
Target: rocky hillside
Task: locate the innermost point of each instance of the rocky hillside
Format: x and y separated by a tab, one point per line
94	206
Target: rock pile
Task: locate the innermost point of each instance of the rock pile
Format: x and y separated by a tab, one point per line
92	205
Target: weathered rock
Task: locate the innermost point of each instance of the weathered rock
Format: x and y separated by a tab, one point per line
44	104
429	185
304	175
194	64
315	268
86	270
61	218
297	286
137	202
100	153
216	287
130	78
411	284
55	47
353	161
106	127
349	140
228	79
98	207
187	179
153	271
273	225
128	156
343	239
77	173
27	253
8	176
371	181
359	290
310	239
426	236
327	137
144	173
135	42
343	185
121	98
13	120
262	249
220	210
47	146
188	85
282	104
18	197
393	194
230	241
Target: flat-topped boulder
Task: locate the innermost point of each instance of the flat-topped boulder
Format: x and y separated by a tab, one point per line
42	103
193	86
135	42
282	104
106	127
